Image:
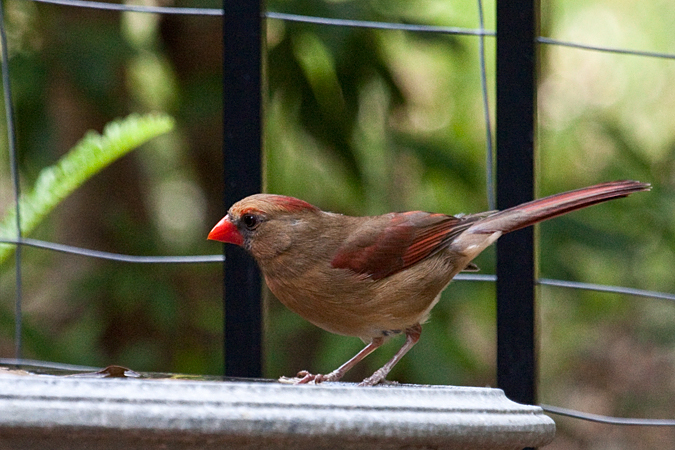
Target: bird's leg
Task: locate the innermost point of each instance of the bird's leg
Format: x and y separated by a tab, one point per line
412	335
304	377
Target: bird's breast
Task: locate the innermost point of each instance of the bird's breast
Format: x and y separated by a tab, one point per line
343	302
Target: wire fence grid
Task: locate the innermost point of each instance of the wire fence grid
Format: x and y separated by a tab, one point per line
19	241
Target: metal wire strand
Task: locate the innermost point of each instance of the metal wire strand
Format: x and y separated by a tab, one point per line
136	8
576	285
192	259
489	163
607	419
597	48
14	168
605	288
378	25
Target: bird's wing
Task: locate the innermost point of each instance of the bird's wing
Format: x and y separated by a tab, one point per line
388	244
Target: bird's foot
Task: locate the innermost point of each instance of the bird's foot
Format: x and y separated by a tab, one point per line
379	377
304	377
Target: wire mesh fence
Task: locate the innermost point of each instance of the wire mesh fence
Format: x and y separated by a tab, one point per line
480	33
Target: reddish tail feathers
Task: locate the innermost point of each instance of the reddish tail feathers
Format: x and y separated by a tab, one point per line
529	213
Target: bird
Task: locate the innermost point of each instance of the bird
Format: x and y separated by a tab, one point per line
375	277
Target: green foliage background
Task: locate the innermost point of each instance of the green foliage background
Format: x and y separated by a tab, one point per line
361	122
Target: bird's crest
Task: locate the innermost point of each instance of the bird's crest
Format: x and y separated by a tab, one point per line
269	203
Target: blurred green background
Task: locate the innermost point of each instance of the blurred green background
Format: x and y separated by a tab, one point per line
361	122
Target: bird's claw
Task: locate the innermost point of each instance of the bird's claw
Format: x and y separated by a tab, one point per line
304	377
375	382
379	377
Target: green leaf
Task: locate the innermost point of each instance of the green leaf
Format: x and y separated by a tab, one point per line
89	156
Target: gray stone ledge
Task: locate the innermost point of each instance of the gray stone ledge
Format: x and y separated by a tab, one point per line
62	412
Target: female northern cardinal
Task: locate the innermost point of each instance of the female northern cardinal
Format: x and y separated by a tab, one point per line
374	277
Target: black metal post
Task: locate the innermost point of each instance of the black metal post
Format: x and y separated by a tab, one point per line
517	28
242	150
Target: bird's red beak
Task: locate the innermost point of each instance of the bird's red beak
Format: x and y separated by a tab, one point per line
226	231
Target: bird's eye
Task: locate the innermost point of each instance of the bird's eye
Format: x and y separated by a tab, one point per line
250	221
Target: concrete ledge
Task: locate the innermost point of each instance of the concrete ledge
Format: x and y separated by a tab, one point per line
61	412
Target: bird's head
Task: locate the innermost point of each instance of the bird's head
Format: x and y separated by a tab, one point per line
259	219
